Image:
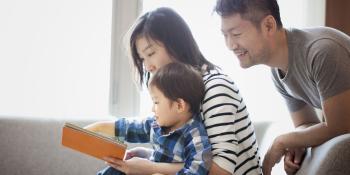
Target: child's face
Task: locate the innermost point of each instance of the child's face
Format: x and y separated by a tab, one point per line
165	111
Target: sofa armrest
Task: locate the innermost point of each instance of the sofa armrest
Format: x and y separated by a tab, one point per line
332	157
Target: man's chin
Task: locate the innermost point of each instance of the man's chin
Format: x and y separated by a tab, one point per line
245	66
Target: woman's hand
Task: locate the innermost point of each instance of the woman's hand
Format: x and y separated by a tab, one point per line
293	160
105	127
133	166
139	152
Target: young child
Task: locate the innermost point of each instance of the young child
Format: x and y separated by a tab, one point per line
176	131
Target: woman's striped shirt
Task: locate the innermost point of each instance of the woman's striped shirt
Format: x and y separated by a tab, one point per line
230	130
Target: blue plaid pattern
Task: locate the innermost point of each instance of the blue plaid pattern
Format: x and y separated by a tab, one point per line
188	144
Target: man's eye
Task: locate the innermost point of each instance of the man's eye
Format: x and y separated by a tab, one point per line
236	34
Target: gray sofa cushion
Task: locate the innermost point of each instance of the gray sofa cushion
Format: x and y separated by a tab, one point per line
33	147
330	158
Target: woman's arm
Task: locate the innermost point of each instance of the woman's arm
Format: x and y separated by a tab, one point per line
138	165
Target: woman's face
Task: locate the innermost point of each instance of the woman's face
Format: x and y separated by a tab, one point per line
153	54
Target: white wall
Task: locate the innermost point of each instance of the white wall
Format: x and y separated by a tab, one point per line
55	58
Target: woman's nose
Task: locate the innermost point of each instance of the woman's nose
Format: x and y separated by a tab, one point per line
150	68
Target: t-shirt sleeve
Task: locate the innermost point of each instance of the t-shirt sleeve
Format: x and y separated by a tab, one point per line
330	67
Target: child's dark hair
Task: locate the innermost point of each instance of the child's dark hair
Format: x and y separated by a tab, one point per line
178	80
252	10
166	26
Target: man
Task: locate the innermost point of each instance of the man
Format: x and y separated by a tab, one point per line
310	68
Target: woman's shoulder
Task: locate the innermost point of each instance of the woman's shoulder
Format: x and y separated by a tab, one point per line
216	76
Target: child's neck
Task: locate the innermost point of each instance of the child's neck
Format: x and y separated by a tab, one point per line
183	119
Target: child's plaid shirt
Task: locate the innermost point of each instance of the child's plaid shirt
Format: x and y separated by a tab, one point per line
188	144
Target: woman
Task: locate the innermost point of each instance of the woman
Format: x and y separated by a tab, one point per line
160	37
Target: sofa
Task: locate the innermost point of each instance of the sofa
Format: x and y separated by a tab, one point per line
33	147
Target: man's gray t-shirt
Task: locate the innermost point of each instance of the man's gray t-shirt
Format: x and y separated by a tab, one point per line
318	67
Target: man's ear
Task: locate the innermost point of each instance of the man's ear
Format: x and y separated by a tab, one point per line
181	105
269	25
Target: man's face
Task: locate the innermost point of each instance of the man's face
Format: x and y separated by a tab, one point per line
245	40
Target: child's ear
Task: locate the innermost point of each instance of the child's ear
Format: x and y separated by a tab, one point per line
181	105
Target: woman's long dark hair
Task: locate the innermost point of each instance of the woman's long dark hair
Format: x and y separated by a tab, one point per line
164	25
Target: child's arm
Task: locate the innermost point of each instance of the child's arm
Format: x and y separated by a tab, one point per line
135	131
105	127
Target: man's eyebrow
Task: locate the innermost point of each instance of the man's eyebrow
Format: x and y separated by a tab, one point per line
228	30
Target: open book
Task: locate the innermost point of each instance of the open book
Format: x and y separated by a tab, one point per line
91	143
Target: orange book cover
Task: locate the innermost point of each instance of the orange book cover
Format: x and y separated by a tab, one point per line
91	143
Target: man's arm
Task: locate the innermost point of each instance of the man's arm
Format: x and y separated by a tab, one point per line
337	114
304	118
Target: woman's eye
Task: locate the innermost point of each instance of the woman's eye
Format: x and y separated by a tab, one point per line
150	54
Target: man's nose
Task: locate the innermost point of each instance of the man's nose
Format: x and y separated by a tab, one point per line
231	43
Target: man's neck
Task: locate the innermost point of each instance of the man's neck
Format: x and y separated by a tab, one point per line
279	50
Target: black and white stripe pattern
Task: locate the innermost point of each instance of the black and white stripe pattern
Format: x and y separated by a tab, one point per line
230	131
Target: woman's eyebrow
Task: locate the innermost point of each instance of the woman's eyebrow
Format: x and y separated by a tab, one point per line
147	47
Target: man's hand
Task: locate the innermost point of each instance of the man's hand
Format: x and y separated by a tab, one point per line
133	166
293	160
273	155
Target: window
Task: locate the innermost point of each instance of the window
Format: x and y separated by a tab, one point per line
255	84
55	58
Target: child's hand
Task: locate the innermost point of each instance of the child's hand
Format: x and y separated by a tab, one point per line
139	152
132	166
